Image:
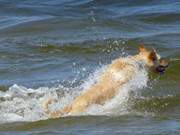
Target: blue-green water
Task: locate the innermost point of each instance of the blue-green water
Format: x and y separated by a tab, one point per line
58	47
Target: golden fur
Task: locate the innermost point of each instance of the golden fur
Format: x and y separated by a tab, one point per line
119	72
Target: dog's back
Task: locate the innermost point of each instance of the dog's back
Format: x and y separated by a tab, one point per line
117	73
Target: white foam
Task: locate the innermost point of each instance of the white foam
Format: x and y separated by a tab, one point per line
22	104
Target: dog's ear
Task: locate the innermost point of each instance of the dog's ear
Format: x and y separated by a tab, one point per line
142	48
152	55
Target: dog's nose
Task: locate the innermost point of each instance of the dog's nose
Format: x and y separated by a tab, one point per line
160	69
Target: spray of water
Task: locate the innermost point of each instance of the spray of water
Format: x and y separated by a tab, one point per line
25	104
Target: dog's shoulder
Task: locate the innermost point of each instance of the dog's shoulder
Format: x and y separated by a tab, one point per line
120	64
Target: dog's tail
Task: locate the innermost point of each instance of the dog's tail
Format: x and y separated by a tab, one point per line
58	113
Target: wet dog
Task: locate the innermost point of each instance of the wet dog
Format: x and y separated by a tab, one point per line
119	72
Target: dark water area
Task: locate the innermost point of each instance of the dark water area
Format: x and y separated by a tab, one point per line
47	44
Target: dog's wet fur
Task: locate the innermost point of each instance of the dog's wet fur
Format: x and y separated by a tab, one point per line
119	72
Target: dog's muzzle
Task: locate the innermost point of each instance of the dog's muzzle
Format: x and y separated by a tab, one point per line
161	69
163	64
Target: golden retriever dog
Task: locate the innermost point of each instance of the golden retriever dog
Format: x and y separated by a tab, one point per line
119	72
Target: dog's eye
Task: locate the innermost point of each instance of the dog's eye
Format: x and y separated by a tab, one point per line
154	59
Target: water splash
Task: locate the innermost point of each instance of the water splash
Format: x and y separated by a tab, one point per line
22	104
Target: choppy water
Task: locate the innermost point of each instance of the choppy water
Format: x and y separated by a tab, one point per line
51	48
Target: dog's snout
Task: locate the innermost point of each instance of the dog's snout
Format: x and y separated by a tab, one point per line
163	64
160	69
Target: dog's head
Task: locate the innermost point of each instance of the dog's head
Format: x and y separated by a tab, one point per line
153	59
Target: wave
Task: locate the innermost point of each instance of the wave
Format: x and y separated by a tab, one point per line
156	104
10	21
159	18
19	103
86	47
